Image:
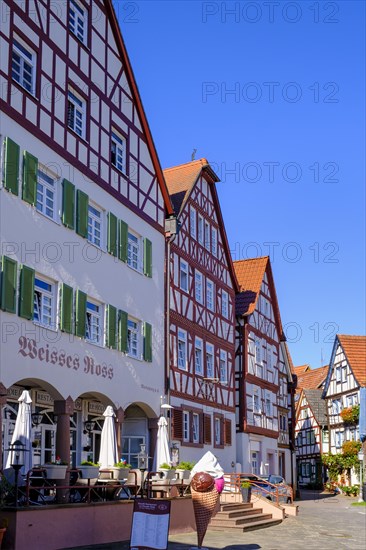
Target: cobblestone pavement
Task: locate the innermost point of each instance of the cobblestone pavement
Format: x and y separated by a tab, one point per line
325	522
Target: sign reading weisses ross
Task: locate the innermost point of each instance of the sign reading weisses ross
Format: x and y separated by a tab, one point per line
150	525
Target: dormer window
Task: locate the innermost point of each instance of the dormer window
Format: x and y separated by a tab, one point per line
78	21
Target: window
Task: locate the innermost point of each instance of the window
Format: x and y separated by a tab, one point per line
200	229
338	374
184	276
46	194
268	406
134	251
223	366
118	152
207	236
210	295
78	21
254	461
198	366
210	370
93	323
214	241
23	66
196	428
44	303
338	438
344	374
256	408
336	406
352	400
94	225
198	287
76	113
186	433
193	222
258	358
325	436
133	338
182	349
217	431
225	304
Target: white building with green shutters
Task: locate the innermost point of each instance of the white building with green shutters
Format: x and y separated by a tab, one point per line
82	210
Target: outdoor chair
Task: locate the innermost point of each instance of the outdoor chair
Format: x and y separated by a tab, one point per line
135	482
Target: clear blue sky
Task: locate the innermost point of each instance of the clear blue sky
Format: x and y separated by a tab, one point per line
288	142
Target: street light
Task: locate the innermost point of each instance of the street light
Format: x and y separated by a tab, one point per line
36	418
17	450
88	426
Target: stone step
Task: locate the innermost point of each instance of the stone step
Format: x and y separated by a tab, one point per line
236	506
249	526
238	513
239	521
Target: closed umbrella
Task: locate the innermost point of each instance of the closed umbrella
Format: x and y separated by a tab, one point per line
23	431
108	455
162	443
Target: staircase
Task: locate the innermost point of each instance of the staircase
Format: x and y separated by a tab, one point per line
241	517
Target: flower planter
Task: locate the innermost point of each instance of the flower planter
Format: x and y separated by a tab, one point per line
246	493
55	471
89	472
120	473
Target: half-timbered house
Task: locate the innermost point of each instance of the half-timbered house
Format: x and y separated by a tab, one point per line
202	313
346	375
83	204
264	382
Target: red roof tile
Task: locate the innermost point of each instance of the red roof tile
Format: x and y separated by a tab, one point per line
312	379
249	274
301	369
355	349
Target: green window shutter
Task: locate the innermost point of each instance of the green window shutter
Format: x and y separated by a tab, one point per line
68	204
112	234
82	206
80	314
8	284
30	171
66	308
147	342
122	330
111	327
26	298
147	258
123	240
11	166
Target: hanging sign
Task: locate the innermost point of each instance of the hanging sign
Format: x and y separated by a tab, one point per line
150	525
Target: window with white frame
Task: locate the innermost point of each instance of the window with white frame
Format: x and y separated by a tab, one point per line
118	152
182	349
214	241
258	358
78	20
210	291
133	338
134	251
23	66
338	374
198	277
193	222
198	353
344	374
217	426
76	113
93	332
256	407
223	366
255	463
325	436
46	194
207	235
338	438
268	406
225	304
200	229
184	275
186	431
210	367
95	216
196	428
336	406
352	400
44	303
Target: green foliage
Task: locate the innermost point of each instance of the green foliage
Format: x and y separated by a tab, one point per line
245	484
122	464
347	460
353	490
166	466
89	463
185	465
363	503
350	415
350	448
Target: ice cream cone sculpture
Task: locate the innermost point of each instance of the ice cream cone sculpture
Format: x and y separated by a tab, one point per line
205	498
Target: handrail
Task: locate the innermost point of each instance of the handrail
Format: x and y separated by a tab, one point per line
233	480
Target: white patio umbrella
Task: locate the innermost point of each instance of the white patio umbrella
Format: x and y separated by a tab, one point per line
108	455
162	443
23	431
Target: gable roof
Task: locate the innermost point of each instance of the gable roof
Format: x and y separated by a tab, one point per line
312	378
317	404
138	103
354	348
250	274
181	179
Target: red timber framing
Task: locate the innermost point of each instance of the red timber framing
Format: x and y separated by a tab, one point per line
101	74
202	298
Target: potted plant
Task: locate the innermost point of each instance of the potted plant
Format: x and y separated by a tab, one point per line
89	469
183	469
56	469
120	469
167	470
246	490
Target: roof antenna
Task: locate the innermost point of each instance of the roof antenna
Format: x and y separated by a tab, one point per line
193	154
